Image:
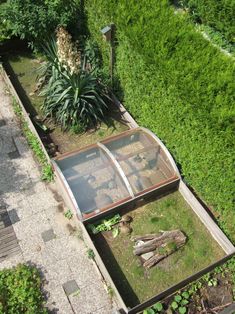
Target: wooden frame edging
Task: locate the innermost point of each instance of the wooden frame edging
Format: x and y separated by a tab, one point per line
180	285
130	120
101	267
209	223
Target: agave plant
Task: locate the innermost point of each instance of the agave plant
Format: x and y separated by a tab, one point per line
72	98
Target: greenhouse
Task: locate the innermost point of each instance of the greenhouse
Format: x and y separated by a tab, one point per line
109	173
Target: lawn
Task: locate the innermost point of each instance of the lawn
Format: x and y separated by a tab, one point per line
167	213
23	67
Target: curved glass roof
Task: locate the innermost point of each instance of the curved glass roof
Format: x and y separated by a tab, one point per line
113	171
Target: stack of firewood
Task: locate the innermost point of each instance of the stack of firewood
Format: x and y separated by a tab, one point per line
152	248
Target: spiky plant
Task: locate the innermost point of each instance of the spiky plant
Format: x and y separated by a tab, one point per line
72	97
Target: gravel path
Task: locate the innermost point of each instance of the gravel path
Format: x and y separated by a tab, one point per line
45	237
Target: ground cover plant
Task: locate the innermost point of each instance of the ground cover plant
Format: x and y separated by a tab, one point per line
20	291
181	87
137	283
35	145
210	294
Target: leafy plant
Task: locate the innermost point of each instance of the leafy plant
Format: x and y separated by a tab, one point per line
33	20
90	254
149	311
105	225
115	232
20	290
47	173
156	308
179	303
68	214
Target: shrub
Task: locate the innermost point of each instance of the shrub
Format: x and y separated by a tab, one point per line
20	291
178	85
33	20
217	14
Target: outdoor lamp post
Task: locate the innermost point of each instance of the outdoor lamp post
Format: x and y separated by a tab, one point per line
108	35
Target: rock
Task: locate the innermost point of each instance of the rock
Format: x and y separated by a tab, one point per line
147	256
38	248
126	229
126	218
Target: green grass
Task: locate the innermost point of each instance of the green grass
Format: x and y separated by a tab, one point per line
24	66
168	213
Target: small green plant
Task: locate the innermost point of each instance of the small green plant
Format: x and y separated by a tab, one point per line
68	214
90	254
47	173
179	303
110	291
77	128
34	143
105	225
101	133
156	308
210	280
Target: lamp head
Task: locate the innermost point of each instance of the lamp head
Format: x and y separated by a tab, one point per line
107	33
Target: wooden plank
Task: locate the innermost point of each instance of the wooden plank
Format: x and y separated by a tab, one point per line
9	248
7	238
206	219
6	230
8	243
7	235
10	252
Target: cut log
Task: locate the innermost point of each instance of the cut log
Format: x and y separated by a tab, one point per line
174	236
166	250
146	237
154	260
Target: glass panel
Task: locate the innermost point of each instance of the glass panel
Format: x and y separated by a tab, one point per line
93	179
142	160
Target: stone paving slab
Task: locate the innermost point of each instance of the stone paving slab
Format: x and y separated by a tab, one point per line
35	208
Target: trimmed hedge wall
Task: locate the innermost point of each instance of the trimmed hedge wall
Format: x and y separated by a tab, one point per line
179	86
217	14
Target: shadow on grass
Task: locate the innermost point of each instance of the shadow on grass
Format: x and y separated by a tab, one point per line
127	293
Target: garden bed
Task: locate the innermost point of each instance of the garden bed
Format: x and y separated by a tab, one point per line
22	68
137	284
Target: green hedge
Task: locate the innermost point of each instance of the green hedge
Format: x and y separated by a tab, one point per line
178	85
20	291
217	14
